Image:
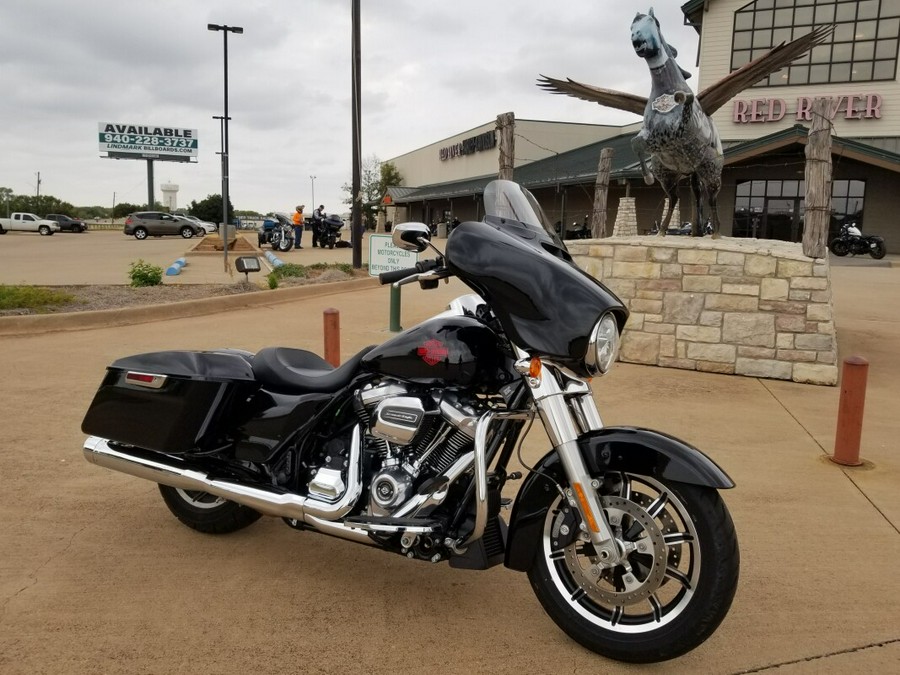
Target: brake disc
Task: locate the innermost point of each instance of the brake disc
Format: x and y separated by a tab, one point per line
618	585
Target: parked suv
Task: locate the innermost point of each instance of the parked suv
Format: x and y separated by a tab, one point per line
157	224
67	224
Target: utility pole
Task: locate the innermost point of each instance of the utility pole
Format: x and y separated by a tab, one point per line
356	189
37	198
112	214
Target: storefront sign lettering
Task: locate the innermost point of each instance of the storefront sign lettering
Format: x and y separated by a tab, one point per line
850	107
470	146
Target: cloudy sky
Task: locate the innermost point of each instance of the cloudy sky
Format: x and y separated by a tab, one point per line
430	69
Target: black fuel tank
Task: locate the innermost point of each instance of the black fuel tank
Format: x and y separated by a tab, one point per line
457	351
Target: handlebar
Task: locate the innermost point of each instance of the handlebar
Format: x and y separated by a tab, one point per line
399	275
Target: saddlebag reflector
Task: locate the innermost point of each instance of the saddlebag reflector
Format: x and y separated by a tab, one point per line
166	401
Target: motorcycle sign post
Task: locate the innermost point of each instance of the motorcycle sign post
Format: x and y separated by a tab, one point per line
384	256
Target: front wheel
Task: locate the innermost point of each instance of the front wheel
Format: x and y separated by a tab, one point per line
44	230
675	583
207	513
284	244
839	247
877	249
187	232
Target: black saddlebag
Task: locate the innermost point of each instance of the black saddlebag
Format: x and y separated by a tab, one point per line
171	402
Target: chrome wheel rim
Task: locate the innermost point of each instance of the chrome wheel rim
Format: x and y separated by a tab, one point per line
659	575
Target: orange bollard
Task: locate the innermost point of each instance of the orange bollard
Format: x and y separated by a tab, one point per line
850	411
332	322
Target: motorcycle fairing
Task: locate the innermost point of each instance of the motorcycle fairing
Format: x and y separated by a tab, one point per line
545	303
627	449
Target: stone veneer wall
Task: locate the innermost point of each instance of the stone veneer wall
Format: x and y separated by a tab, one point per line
739	306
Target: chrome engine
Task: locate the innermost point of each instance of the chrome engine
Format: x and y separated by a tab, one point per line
412	436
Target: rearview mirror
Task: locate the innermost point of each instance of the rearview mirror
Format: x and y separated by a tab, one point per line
408	235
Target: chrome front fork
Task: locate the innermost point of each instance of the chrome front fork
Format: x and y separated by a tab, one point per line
567	409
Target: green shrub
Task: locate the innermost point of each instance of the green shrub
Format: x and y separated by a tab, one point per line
291	270
31	297
144	274
273	280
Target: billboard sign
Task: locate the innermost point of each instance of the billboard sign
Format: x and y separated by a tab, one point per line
146	141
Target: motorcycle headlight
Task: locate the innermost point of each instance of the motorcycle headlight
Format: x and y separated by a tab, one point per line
603	346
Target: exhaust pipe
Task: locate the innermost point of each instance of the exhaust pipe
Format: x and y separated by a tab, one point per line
175	473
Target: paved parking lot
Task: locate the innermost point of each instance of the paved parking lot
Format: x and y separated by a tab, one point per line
104	256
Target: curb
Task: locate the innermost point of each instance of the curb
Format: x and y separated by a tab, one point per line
33	324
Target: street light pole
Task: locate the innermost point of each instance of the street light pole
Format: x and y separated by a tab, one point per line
224	188
225	31
312	180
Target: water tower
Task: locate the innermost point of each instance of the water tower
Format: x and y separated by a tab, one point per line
170	196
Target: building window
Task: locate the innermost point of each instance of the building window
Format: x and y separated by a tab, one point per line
864	46
775	209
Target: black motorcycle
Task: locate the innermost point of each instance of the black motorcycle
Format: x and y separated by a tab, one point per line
277	230
330	231
407	445
852	240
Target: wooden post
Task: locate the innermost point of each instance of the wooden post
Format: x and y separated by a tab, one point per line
601	192
506	125
331	319
818	181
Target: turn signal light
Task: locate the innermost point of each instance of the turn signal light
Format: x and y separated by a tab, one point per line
534	369
585	508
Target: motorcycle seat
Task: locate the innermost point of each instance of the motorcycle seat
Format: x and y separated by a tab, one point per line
298	371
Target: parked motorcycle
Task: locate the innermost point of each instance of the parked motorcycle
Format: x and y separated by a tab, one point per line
330	231
277	230
851	240
579	231
407	446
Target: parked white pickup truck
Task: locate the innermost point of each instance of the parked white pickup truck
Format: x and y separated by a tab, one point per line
28	222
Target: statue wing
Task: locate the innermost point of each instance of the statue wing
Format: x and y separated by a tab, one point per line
715	96
607	97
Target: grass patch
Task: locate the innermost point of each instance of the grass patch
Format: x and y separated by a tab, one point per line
34	298
296	271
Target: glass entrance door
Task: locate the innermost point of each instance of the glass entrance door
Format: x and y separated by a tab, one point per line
782	219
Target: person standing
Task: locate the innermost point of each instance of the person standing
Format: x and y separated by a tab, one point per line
298	225
318	216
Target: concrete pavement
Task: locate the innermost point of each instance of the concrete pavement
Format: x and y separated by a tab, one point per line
95	576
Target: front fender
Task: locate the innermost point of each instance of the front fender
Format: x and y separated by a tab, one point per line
631	449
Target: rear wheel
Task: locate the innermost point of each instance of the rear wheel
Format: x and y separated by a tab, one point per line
877	250
839	247
673	587
207	513
187	232
140	233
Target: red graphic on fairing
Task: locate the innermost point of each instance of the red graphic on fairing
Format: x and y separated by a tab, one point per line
433	352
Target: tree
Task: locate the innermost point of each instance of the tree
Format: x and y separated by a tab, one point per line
6	196
32	203
376	177
124	208
210	209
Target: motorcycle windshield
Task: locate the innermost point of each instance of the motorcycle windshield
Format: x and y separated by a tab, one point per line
513	259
